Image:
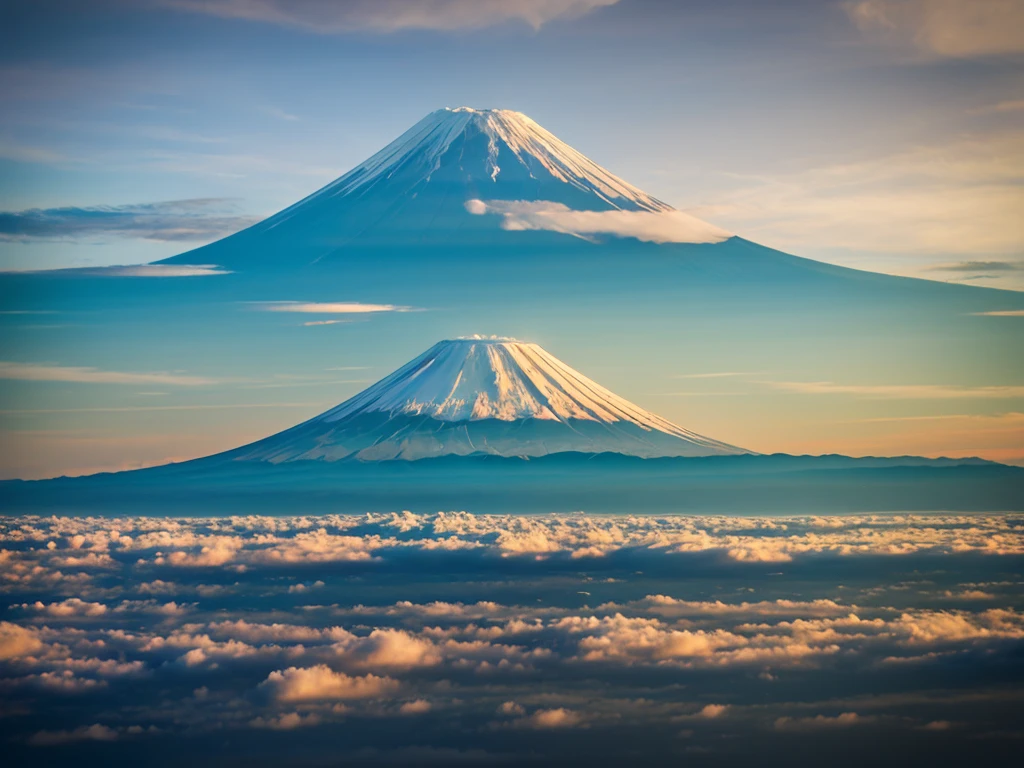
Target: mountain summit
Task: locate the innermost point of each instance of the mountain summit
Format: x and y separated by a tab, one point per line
459	178
481	396
492	148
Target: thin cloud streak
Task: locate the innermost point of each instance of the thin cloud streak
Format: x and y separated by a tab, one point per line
329	307
197	219
897	391
83	375
147	408
977	266
722	375
383	16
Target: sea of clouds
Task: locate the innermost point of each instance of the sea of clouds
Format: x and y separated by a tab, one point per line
457	637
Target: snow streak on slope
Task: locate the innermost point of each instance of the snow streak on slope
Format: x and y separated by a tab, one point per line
503	379
536	149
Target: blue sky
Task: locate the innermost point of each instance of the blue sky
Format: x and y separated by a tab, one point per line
885	134
882	134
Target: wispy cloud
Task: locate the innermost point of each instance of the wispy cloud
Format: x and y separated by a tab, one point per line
280	114
1001	313
324	322
175	220
149	408
331	17
82	375
1011	105
649	226
721	375
977	266
154	270
946	28
133	270
957	197
328	307
897	391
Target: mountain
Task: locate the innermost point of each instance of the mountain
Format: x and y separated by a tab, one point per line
459	176
480	396
488	200
498	425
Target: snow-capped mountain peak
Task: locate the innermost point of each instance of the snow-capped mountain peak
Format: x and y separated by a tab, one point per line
512	138
483	395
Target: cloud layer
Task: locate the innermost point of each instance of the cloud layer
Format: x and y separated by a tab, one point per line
529	635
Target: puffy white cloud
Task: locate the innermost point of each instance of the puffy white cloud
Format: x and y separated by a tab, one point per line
321	683
72	607
255	632
930	627
649	226
711	711
16	641
392	648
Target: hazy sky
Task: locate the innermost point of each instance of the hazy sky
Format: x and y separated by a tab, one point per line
882	133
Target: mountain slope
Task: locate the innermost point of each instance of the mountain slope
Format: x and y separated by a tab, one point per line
481	396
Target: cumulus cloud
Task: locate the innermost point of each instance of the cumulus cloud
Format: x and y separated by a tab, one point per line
321	683
84	375
390	649
327	16
71	607
947	28
545	719
174	221
16	641
649	226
